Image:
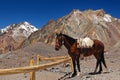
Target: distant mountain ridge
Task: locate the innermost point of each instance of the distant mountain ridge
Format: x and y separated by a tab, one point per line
25	26
13	35
93	23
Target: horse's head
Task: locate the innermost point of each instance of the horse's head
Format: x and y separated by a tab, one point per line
59	41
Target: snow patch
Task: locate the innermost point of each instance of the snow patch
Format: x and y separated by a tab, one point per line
5	29
26	23
107	18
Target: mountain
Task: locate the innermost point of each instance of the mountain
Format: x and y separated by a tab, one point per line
21	29
93	23
13	35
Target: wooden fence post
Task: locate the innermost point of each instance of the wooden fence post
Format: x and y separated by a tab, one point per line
64	64
32	74
38	59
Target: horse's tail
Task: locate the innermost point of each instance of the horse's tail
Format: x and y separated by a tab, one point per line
103	59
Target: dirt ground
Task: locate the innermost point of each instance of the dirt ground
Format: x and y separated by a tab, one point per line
22	57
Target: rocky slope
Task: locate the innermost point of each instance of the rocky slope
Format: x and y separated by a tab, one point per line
22	57
13	35
95	24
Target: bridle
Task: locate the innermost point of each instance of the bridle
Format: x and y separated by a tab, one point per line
59	41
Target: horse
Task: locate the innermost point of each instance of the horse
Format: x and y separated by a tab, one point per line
71	44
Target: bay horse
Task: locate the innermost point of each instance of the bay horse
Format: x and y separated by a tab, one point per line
71	44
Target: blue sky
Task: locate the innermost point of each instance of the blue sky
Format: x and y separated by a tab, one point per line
39	12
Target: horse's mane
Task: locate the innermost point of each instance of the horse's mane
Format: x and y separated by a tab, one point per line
70	39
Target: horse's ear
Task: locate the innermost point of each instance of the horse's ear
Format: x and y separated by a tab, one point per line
60	33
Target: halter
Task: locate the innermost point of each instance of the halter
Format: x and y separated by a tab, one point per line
59	41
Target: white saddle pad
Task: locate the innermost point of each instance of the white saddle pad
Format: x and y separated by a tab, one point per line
85	42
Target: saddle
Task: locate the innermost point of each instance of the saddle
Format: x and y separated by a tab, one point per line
85	42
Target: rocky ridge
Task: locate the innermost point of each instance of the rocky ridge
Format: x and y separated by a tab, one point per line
93	23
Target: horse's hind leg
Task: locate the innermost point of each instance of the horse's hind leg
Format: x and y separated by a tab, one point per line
97	63
100	69
103	60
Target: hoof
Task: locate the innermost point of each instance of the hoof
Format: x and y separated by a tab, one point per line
99	72
73	75
79	73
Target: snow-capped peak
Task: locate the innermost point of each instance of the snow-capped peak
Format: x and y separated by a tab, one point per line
21	29
27	26
26	23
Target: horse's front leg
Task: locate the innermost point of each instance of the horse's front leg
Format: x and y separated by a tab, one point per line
78	66
74	67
